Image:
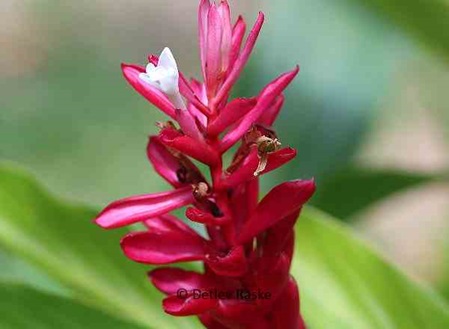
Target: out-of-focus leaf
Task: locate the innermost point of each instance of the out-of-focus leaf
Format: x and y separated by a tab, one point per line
23	308
444	289
443	282
346	65
50	118
343	283
353	189
346	285
428	20
60	239
431	80
15	270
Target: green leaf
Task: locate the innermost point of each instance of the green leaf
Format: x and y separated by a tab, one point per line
61	239
23	308
443	282
15	270
345	284
353	189
428	20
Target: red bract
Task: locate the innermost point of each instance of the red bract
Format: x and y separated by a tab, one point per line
247	252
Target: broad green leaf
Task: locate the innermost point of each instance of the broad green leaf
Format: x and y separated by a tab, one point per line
353	189
443	282
15	270
23	308
60	239
344	284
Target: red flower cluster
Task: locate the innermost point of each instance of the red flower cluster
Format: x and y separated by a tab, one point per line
248	251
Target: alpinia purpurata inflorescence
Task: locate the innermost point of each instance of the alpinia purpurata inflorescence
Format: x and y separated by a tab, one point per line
249	244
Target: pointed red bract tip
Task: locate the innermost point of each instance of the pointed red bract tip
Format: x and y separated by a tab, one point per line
264	101
153	95
200	216
169	280
187	145
241	60
276	205
166	248
139	208
233	264
190	305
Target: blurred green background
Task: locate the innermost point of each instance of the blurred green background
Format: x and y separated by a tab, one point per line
369	113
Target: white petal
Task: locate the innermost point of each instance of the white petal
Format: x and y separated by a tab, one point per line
145	77
150	68
165	75
169	85
159	73
167	60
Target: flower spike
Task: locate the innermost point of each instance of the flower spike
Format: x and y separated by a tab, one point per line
246	245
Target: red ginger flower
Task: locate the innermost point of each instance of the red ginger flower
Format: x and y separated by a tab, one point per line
249	245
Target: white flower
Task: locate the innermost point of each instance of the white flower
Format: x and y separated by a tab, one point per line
165	75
